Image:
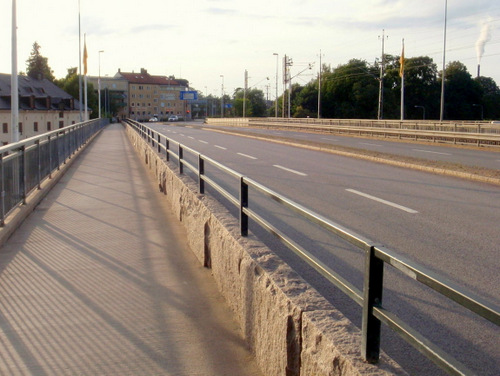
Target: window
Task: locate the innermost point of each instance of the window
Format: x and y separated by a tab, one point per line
61	115
20	127
5	128
61	123
35	126
132	104
49	126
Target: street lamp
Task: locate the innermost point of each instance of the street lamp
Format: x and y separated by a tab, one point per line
441	114
99	83
423	108
276	100
222	97
481	106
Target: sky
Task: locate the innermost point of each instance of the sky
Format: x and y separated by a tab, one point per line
202	40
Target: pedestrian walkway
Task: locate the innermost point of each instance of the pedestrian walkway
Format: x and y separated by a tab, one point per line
99	280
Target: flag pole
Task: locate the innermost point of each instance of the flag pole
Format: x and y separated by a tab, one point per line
80	63
402	74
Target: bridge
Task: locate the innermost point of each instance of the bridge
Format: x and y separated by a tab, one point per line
103	273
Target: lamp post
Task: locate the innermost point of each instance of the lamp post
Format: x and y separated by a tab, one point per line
276	100
441	115
14	95
481	106
423	108
99	83
222	97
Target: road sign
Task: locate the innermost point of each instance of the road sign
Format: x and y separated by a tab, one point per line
189	95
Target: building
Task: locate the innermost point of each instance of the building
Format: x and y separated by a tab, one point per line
43	107
158	96
114	95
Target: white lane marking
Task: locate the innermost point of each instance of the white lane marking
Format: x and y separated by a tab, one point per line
220	147
290	170
203	142
433	152
182	134
191	137
408	210
367	143
246	156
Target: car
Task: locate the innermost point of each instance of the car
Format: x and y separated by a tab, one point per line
153	119
173	118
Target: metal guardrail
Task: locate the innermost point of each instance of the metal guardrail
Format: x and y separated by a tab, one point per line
376	257
478	133
25	164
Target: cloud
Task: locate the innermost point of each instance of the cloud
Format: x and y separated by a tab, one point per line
222	12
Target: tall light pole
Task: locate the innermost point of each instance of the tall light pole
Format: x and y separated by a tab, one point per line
14	94
319	86
276	100
441	115
99	83
381	82
222	97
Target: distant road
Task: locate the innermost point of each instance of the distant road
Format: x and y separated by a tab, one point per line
488	158
446	224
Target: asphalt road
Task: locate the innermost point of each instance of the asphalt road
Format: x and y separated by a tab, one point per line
467	156
447	224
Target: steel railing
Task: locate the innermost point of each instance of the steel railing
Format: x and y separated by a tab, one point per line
376	257
25	164
479	133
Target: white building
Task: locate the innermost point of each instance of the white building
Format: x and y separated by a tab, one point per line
43	107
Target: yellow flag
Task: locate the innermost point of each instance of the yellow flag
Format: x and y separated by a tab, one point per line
402	62
85	56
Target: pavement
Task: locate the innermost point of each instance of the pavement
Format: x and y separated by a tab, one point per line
99	280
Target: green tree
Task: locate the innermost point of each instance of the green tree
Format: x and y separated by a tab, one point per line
70	84
38	66
461	92
255	102
490	101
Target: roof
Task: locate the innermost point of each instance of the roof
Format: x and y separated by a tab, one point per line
35	94
147	79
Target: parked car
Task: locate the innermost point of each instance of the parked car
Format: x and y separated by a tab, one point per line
153	119
173	118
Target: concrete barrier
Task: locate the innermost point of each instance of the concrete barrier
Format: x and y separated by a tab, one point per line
291	329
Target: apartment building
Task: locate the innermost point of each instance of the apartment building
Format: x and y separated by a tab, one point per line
158	96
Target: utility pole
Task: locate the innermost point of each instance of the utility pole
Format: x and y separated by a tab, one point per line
245	94
381	82
319	86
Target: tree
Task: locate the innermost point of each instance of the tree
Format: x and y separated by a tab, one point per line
490	101
37	65
461	92
255	102
70	84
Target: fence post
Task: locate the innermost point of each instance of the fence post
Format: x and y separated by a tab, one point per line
181	156
372	296
2	192
201	172
243	205
159	143
22	169
167	147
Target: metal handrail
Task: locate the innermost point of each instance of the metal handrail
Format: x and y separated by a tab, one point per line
480	133
25	164
376	257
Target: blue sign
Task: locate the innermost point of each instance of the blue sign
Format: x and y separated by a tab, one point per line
189	95
228	105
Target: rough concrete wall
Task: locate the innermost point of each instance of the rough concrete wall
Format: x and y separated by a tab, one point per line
291	329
